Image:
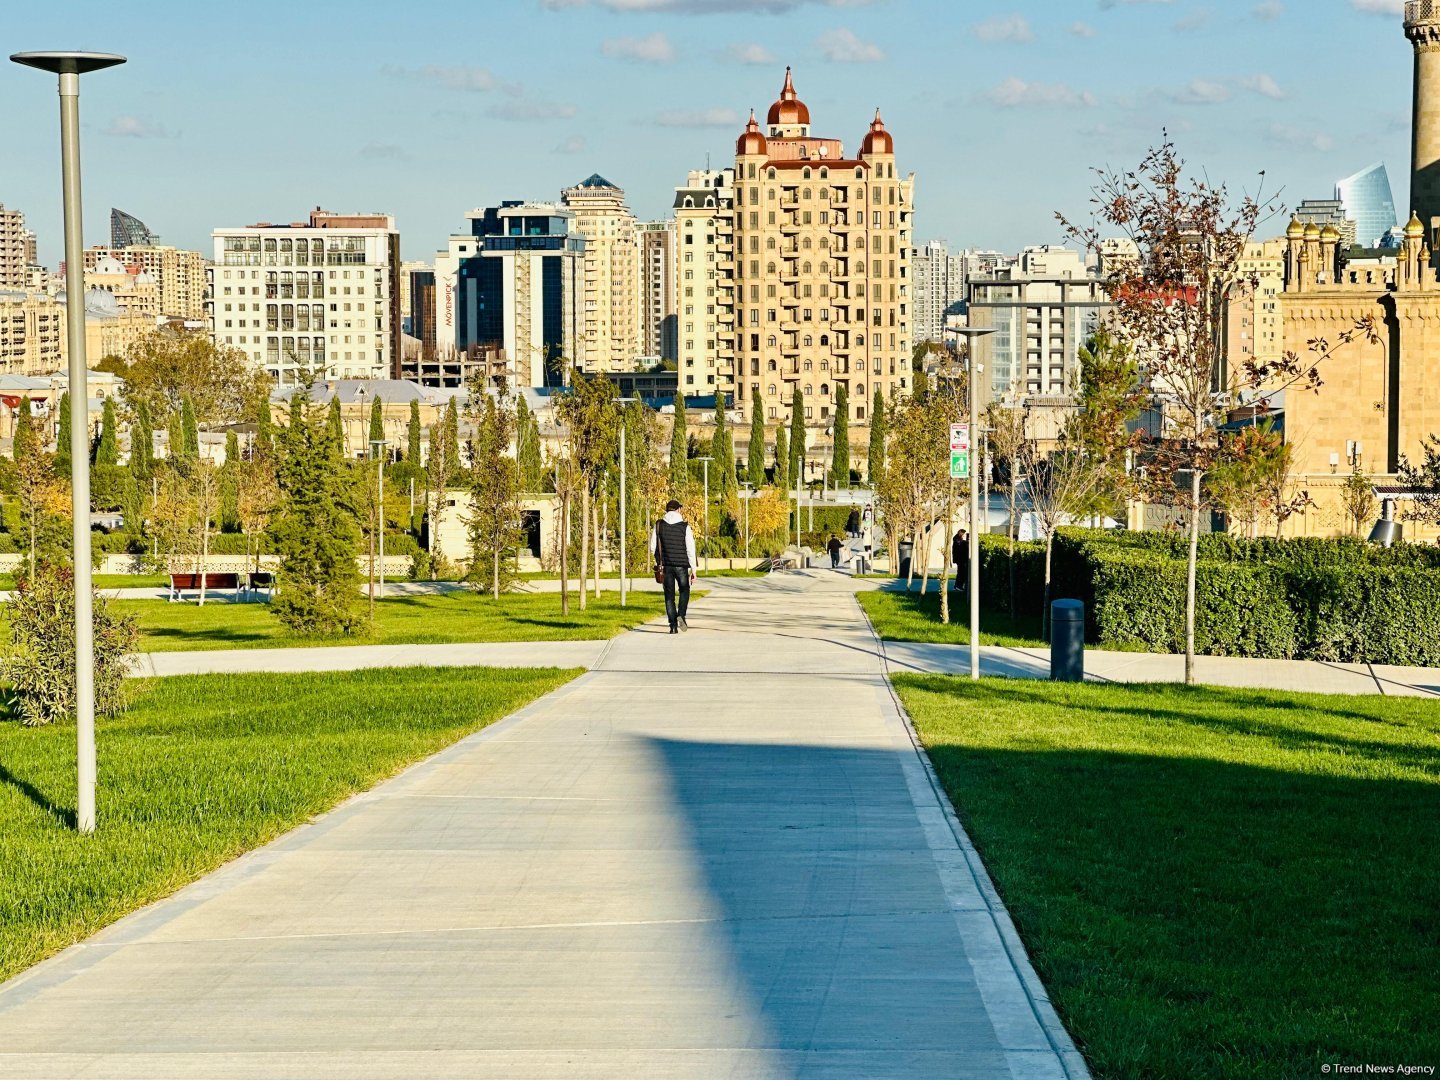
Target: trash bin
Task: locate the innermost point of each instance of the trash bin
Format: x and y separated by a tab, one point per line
907	549
1067	641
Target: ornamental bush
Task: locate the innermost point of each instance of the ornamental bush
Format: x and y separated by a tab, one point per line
39	665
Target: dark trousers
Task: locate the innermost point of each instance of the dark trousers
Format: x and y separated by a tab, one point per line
677	579
962	576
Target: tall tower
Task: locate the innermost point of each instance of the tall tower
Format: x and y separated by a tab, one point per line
1422	27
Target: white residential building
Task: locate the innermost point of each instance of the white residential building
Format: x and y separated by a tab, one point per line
312	295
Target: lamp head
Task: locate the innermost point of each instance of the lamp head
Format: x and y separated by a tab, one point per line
68	62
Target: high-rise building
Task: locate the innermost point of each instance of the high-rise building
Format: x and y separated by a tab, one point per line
939	288
179	275
17	246
705	282
1368	202
657	289
513	282
610	310
32	333
127	230
821	296
1322	212
1042	311
1253	329
322	294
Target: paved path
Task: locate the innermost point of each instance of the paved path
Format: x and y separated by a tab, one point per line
718	856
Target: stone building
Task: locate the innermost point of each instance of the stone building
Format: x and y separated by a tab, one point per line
705	281
610	300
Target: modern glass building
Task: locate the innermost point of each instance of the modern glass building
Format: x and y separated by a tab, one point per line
1369	203
127	230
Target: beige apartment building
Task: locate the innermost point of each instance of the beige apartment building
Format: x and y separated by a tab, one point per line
179	275
657	289
1254	332
134	290
322	294
704	282
610	303
17	250
32	333
819	295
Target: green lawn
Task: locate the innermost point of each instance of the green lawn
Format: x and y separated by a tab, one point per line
203	768
109	581
423	620
1212	883
900	616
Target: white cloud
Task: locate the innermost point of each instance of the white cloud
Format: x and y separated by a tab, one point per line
1379	7
452	77
1106	5
1082	30
1012	28
134	127
702	7
524	109
653	49
725	118
1296	139
1015	93
1196	20
1201	92
1267	10
742	53
1265	86
575	144
843	47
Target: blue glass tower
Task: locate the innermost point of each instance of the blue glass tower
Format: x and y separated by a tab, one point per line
1369	203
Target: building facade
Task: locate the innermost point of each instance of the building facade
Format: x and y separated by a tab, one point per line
179	275
1369	203
1042	311
705	282
1253	327
939	288
17	250
610	298
32	333
514	283
126	230
657	289
1323	212
311	295
821	293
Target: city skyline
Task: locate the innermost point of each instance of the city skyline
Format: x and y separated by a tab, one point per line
356	114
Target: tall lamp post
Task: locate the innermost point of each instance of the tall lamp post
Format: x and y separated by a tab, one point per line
705	466
971	335
749	490
69	66
377	451
624	578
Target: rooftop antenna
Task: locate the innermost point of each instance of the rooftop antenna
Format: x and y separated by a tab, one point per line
707	160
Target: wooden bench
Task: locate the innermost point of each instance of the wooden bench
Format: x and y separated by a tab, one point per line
182	583
260	581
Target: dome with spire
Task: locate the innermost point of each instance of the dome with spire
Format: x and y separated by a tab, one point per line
1296	231
789	109
877	140
752	139
1414	227
1312	231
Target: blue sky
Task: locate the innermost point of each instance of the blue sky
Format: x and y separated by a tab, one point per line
230	113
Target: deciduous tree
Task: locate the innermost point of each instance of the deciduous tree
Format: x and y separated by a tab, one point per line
168	367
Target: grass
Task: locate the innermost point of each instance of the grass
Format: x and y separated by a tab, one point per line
1216	883
203	768
901	616
109	581
412	620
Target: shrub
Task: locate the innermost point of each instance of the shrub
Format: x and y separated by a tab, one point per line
1383	615
40	664
1029	562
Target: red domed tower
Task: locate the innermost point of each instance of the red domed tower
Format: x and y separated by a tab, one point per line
877	140
788	118
751	140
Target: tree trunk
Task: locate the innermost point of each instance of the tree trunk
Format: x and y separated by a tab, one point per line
1045	602
565	553
924	549
1010	539
495	573
204	552
1190	560
584	539
595	514
914	554
945	574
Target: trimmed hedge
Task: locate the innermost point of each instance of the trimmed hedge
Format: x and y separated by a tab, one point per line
1338	600
1029	560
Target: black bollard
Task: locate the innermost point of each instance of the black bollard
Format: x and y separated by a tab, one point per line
1067	641
907	550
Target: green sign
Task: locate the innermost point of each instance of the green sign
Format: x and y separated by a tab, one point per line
959	464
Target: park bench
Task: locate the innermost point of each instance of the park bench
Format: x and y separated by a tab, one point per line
218	582
260	581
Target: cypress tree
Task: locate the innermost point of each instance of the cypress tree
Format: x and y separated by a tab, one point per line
840	458
190	429
377	420
451	434
175	437
722	449
142	442
62	437
878	424
412	435
782	459
264	428
527	447
679	449
335	428
755	462
797	438
27	440
107	451
230	485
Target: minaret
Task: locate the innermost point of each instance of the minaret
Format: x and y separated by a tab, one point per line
1422	27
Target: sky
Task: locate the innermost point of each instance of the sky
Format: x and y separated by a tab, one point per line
237	112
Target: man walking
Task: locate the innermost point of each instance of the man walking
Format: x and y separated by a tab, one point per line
672	546
834	548
960	556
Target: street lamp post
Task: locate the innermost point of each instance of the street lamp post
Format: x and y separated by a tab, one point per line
377	451
69	66
749	487
624	534
705	467
972	334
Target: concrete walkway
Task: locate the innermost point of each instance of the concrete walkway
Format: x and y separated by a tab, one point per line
719	855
